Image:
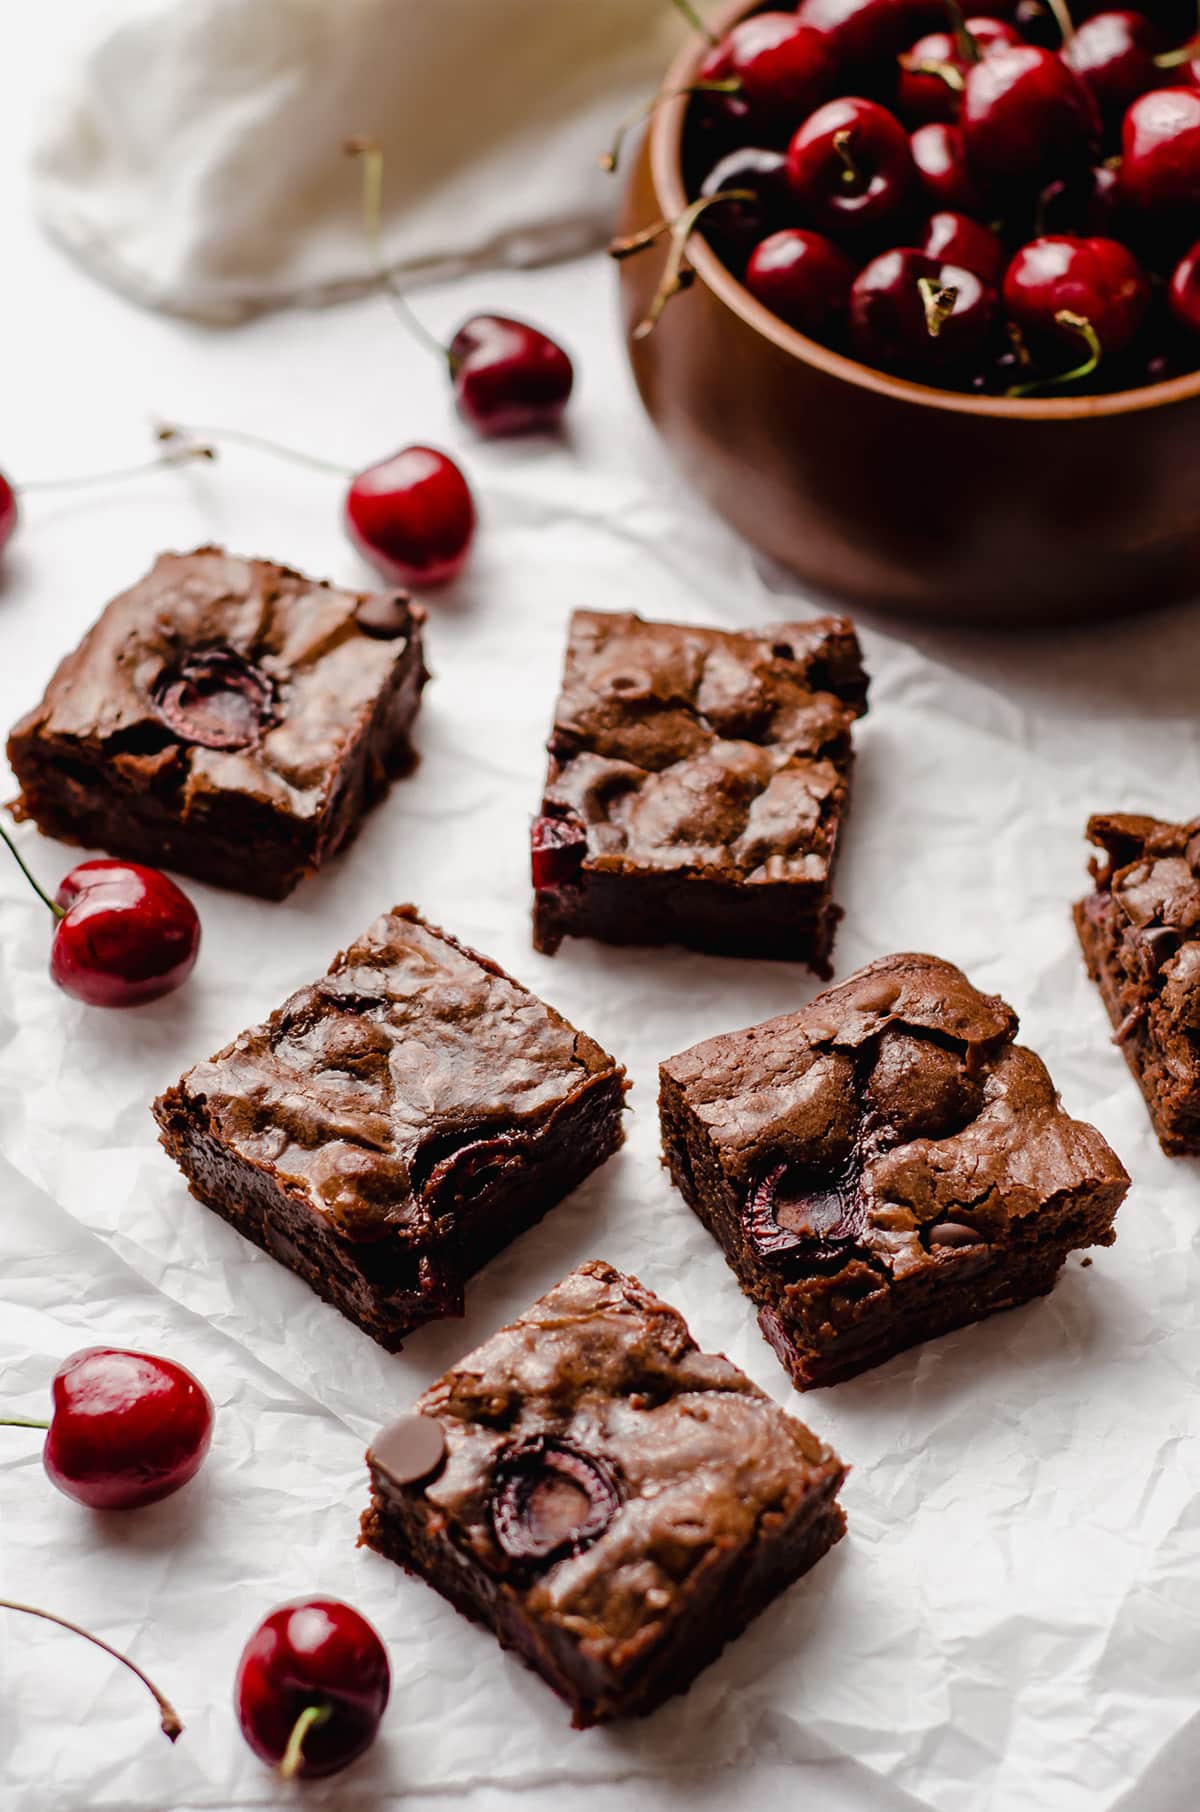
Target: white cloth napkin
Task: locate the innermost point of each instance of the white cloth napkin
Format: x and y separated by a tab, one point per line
194	160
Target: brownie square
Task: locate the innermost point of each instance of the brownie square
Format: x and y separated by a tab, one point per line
614	1504
393	1126
1140	931
697	783
225	718
884	1165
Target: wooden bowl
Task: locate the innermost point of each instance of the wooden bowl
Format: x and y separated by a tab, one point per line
921	501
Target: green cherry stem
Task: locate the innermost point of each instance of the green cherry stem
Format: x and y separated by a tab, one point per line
258	443
292	1759
1066	317
609	159
1063	20
22	1422
674	277
371	154
937	300
945	72
176	456
172	1727
693	18
964	38
42	895
842	143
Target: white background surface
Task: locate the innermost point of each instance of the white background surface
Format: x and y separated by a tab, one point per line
1013	1624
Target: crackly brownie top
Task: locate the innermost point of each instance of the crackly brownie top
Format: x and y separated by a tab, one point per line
1148	885
215	673
594	1457
892	1119
702	749
369	1092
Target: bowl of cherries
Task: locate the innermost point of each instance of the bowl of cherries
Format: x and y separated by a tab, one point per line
912	293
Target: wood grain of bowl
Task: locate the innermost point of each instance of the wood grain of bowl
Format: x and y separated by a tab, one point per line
914	500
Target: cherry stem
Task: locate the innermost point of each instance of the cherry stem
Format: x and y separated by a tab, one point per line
292	1759
675	277
21	1422
945	72
842	142
937	299
1066	317
609	159
177	456
242	437
1063	19
694	20
44	897
372	201
1171	59
172	1727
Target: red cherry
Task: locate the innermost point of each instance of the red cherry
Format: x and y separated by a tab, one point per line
923	94
957	239
735	227
128	1428
412	517
860	31
802	277
941	164
509	378
919	317
1183	292
850	167
1114	54
312	1685
1087	203
785	68
125	934
1160	137
8	510
1089	295
557	849
1025	115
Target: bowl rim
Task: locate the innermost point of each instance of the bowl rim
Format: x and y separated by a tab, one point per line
665	146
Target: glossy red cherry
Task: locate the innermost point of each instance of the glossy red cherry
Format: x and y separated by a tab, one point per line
1087	296
1160	140
862	31
1183	291
1113	53
850	167
1087	203
802	277
919	317
957	239
933	70
783	67
127	1429
735	227
412	517
509	378
1026	116
312	1685
940	160
8	510
125	934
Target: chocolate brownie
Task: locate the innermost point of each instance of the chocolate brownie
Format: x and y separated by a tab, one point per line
393	1126
884	1165
1140	931
226	718
697	784
613	1503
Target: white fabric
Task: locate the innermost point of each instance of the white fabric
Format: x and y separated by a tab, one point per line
194	159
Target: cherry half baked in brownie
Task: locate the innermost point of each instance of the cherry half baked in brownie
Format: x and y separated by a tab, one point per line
225	718
884	1165
613	1503
394	1125
1140	931
698	780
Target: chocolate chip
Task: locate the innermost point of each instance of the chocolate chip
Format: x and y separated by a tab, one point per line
954	1233
216	698
876	996
549	1499
818	1030
385	615
409	1450
1159	944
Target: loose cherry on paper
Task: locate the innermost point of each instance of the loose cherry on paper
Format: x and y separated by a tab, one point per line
311	1688
8	511
128	1428
1090	295
123	934
169	1719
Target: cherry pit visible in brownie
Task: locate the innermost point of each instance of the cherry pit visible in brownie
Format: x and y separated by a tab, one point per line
884	1165
697	784
226	718
1140	931
613	1503
394	1125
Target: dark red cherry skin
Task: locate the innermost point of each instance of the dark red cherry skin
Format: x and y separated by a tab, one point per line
957	239
861	31
850	167
1088	203
8	511
1160	143
920	96
1183	291
509	378
785	68
127	1430
127	934
943	178
557	849
412	517
1097	280
1113	53
890	324
1026	117
735	227
315	1652
802	277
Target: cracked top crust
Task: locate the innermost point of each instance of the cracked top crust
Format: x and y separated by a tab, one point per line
1148	896
360	1087
723	753
700	1455
899	1103
322	657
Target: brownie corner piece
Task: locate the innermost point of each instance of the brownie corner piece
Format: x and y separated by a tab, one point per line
1140	932
393	1126
697	784
614	1504
884	1165
222	705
